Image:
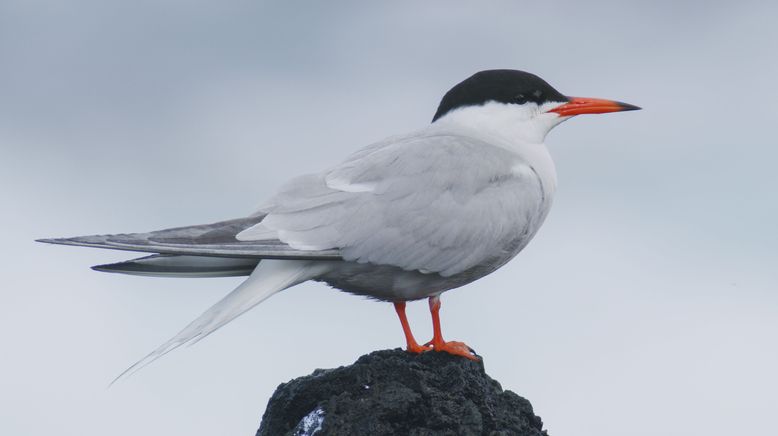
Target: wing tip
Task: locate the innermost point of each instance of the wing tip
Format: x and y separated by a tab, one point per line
58	241
125	267
99	241
106	267
116	268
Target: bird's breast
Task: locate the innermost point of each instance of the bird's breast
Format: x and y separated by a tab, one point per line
537	157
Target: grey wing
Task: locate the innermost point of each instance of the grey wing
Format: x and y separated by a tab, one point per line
181	265
437	203
217	240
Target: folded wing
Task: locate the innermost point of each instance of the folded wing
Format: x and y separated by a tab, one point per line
215	240
437	203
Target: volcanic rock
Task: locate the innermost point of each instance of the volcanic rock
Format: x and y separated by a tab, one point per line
391	392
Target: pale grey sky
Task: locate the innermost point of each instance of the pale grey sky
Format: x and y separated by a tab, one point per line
646	305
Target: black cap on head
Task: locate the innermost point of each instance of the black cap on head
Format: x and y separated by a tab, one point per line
503	86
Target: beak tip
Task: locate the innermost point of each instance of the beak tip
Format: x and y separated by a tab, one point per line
629	107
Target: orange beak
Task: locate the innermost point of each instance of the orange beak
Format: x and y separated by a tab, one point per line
584	105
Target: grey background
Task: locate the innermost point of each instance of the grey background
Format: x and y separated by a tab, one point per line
646	305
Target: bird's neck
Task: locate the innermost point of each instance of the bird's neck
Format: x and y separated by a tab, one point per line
502	127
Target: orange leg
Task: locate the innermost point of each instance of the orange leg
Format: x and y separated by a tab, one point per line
413	346
437	342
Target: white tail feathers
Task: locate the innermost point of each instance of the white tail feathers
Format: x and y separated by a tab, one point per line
270	277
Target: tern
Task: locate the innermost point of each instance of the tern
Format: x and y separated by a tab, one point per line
403	219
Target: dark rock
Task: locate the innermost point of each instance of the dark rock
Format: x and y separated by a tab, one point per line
391	392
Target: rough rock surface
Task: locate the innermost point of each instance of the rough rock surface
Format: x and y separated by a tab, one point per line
391	392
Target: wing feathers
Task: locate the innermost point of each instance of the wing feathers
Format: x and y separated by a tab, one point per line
214	240
165	265
439	203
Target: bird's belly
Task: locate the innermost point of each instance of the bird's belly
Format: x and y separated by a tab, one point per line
388	283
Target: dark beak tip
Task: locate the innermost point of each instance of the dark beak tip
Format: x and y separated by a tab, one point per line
629	107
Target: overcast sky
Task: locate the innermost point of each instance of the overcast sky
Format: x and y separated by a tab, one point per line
646	305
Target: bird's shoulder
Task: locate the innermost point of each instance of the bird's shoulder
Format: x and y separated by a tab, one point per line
444	157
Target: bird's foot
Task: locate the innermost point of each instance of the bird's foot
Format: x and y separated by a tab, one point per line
417	349
453	347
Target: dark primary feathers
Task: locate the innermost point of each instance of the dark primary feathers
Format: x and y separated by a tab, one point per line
181	265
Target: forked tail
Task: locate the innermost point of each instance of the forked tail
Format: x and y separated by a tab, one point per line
270	277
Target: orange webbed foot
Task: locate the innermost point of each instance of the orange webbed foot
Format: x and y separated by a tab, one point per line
454	347
417	349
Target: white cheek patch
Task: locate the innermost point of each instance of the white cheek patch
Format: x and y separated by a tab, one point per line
547	106
550	119
527	122
523	112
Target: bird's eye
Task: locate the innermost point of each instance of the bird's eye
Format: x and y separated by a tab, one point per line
520	99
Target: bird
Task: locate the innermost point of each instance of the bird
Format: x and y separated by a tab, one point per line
403	219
